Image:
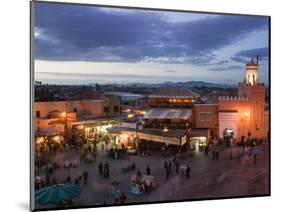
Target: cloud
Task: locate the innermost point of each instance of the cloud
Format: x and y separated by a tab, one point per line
246	55
262	52
79	33
215	33
170	71
227	68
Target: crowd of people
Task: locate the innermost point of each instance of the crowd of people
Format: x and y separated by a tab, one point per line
171	165
168	168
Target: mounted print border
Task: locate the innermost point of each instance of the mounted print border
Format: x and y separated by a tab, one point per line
135	105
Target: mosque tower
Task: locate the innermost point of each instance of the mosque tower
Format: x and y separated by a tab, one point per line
255	92
252	72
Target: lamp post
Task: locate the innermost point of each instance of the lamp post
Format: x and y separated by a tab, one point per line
164	130
63	114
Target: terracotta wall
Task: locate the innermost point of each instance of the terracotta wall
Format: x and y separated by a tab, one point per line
93	108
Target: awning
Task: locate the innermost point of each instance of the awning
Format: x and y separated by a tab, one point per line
174	137
119	130
47	131
159	113
199	132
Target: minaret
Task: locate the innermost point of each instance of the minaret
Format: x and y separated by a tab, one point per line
255	92
252	73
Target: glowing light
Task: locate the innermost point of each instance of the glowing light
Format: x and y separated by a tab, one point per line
63	114
130	115
57	139
165	129
80	127
143	112
40	140
247	114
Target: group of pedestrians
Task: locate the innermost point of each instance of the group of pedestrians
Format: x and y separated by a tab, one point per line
119	198
104	169
250	155
77	180
215	154
168	168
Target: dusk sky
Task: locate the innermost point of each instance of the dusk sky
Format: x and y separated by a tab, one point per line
82	44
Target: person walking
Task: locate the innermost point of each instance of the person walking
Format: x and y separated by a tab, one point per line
177	165
122	198
116	197
255	159
206	150
187	172
147	170
217	155
213	154
68	180
106	170
85	177
169	167
165	164
55	149
167	173
100	168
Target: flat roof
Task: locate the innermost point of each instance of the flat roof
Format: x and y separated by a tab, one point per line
207	104
126	95
174	92
228	111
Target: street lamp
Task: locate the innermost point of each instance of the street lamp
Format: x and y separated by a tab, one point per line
63	114
163	137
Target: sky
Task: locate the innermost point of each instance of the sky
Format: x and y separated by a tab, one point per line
75	44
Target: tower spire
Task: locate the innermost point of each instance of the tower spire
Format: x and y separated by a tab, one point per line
252	72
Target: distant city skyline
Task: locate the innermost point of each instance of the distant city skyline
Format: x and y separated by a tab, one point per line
77	44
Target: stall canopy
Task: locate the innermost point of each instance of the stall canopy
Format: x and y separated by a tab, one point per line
48	131
174	137
160	113
120	129
199	132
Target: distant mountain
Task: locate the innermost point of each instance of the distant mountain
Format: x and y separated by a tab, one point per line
188	84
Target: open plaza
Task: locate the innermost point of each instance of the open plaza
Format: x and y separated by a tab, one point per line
233	174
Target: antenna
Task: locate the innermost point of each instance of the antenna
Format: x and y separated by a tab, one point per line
258	58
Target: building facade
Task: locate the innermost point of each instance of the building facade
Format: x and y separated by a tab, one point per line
58	116
241	116
172	97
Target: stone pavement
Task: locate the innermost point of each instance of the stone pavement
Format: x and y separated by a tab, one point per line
209	178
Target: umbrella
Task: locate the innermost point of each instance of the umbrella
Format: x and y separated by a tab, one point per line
56	193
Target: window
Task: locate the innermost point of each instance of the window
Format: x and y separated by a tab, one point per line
106	109
202	117
209	117
75	110
205	116
116	109
37	115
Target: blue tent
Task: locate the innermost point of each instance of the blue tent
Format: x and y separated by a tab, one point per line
57	193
